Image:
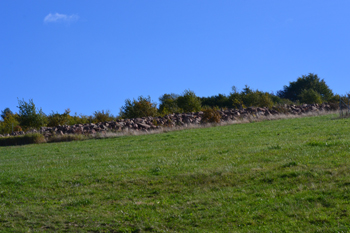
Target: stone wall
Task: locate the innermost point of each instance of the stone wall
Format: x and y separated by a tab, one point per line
172	120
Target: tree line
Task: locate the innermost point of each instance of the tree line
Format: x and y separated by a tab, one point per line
306	89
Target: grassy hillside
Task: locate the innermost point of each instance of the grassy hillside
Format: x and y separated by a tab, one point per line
288	175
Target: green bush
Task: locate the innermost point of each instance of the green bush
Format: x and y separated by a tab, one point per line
310	96
9	122
168	104
295	89
251	98
55	119
189	102
220	100
265	100
5	112
29	116
79	119
102	116
142	107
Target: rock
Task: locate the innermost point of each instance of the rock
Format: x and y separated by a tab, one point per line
144	126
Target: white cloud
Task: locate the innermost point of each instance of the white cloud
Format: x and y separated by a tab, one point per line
55	18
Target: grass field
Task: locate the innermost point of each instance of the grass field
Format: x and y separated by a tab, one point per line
289	175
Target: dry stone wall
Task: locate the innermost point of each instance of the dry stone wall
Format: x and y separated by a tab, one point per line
172	120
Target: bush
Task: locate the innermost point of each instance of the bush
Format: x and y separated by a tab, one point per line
10	122
29	116
55	119
220	100
265	100
79	119
306	82
251	98
6	112
142	107
310	96
211	115
102	116
168	104
189	102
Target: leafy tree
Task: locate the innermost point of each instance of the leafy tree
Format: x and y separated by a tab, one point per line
265	100
235	99
29	116
79	119
55	119
250	98
310	97
189	102
168	104
9	121
5	112
220	100
102	116
142	107
306	82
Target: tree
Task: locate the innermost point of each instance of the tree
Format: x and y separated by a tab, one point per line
310	97
189	102
29	116
250	98
220	100
102	116
9	122
235	99
306	82
168	104
5	112
55	119
142	107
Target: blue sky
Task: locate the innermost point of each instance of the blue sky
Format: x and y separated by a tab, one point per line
92	55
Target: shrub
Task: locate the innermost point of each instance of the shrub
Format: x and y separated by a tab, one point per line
102	116
220	100
265	100
55	119
6	112
10	122
306	82
17	128
211	115
189	102
168	104
79	119
310	96
249	97
142	107
29	116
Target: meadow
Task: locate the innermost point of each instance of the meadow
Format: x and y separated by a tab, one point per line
287	175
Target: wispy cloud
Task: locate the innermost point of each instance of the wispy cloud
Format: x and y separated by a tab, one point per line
55	18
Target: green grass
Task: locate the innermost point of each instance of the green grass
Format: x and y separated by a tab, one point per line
288	175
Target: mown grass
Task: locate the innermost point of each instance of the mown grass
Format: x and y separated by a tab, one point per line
289	175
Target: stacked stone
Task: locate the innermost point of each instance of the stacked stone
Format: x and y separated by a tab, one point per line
179	119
